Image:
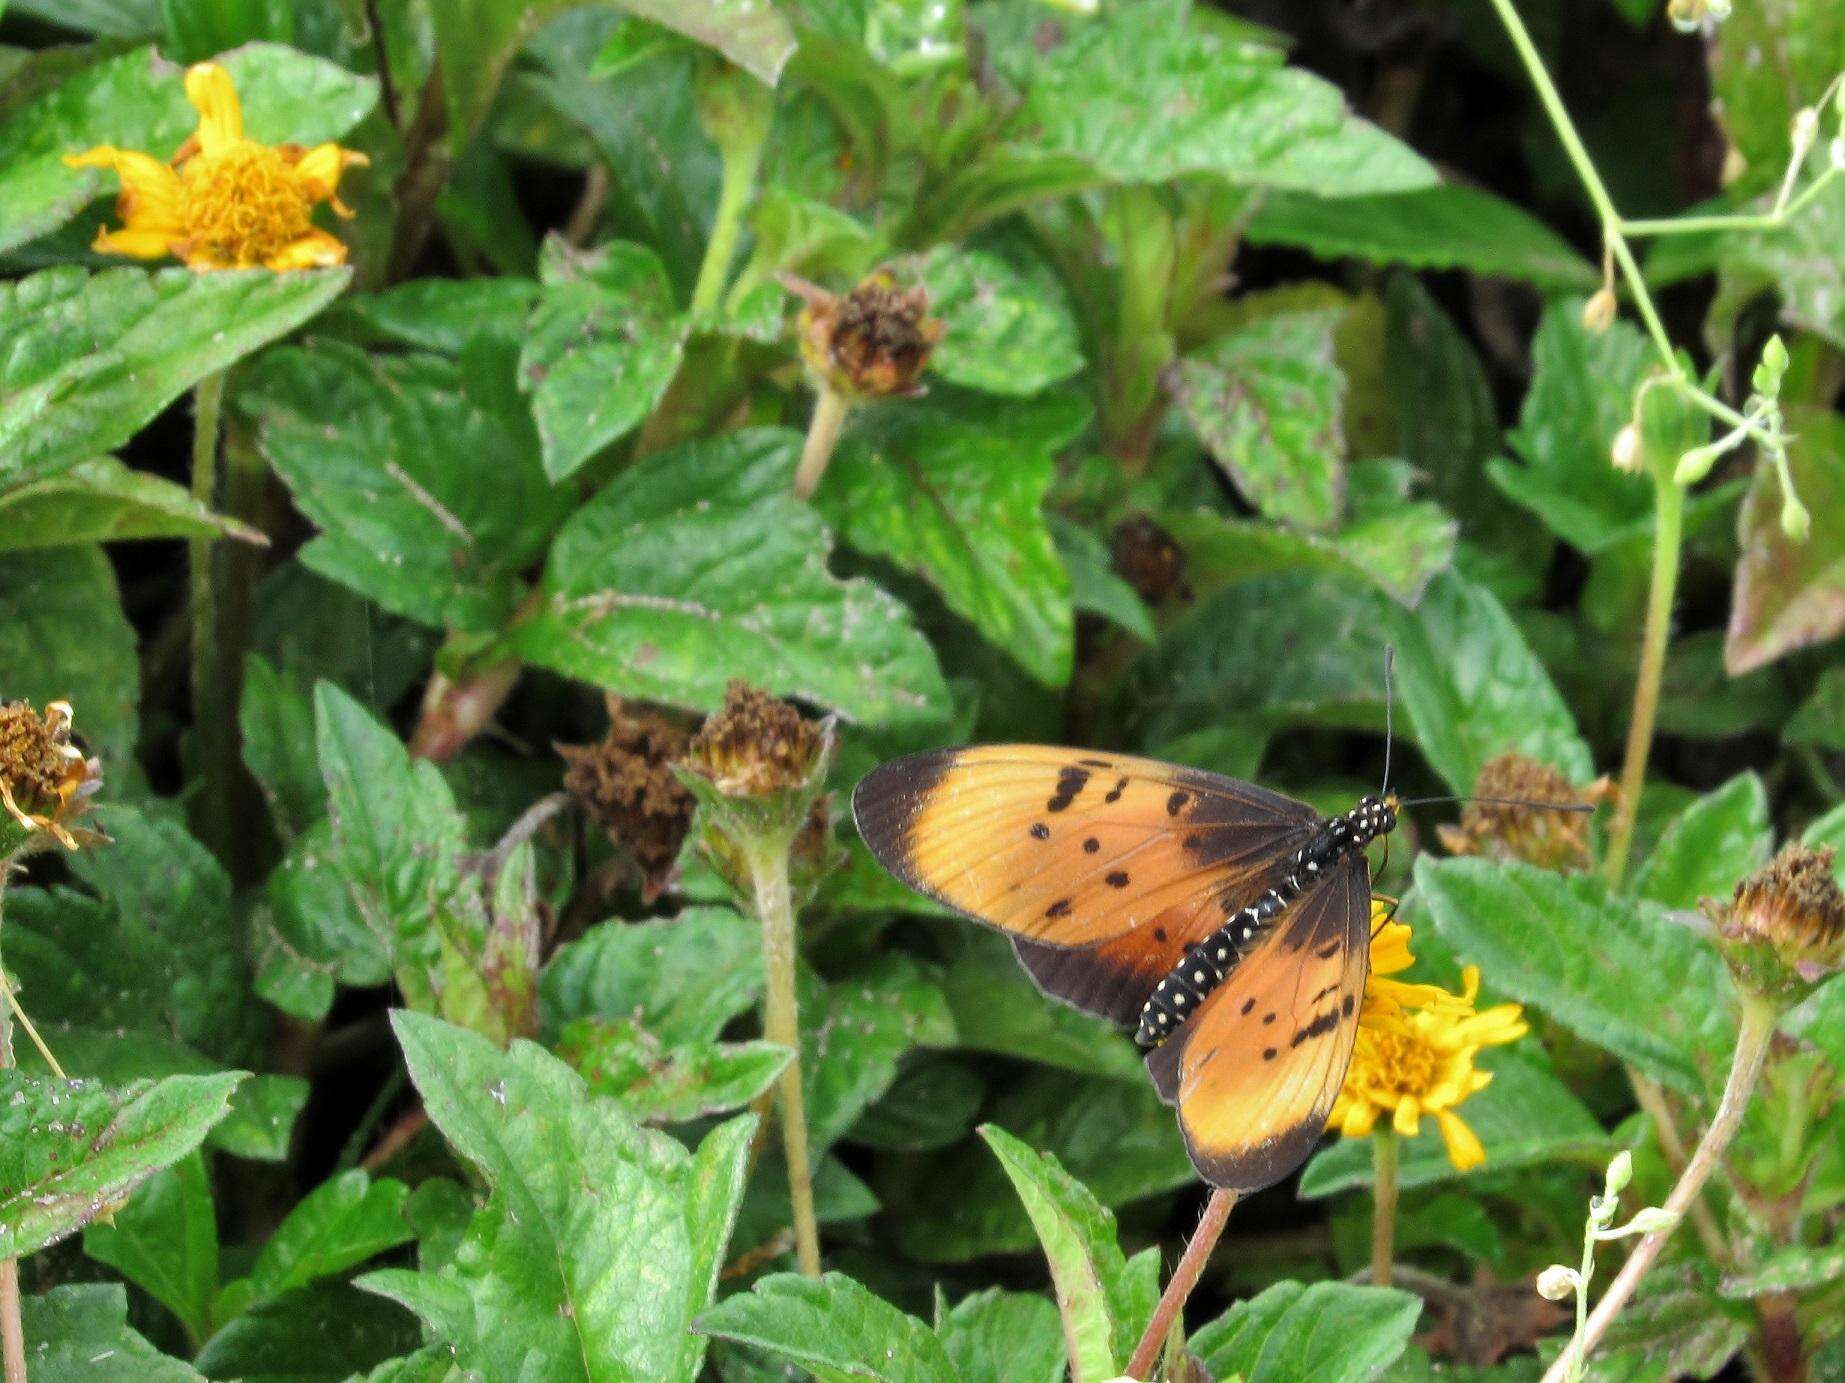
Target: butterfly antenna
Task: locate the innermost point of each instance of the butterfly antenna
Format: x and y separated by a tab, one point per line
1504	802
1390	657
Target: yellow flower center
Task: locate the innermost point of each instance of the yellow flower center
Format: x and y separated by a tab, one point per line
1402	1064
241	204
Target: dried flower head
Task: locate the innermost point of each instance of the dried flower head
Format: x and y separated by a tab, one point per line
1497	830
224	201
1598	312
755	746
1784	928
870	343
44	778
627	786
1149	559
1420	1061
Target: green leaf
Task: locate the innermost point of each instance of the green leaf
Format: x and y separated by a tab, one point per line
955	492
156	950
1330	1332
856	1029
997	1009
474	42
602	1240
130	19
431	1364
1791	594
600	348
165	1241
69	1149
440	315
1581	395
80	1334
320	1334
136	101
1266	400
440	534
1446	227
1078	1236
1474	689
1708	847
932	1104
1786	1270
1392	542
336	1226
1620	973
1525	1118
261	1123
63	634
1766	63
755	37
93	357
1002	1337
277	722
660	1084
1114	1137
103	501
1820	720
681	978
834	1328
694	567
1094	587
1796	260
1009	328
1143	96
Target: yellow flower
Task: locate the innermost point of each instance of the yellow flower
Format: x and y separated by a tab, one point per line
224	201
44	778
1415	1052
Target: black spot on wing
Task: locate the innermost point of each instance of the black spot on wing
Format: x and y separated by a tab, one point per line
1039	831
1118	879
1319	1027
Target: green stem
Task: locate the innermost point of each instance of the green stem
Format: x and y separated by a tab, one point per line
822	436
12	1333
742	158
1732	221
213	743
781	1024
1668	534
1184	1278
1752	1042
1384	1150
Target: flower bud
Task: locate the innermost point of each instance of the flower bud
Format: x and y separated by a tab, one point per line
1620	1173
1835	152
1598	311
44	778
1626	450
1784	929
1796	522
1771	369
1558	1283
1803	131
1687	16
1695	464
1651	1220
870	343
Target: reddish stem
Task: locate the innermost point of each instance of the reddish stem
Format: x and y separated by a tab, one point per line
1184	1279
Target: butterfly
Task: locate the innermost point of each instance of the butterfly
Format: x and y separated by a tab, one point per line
1229	924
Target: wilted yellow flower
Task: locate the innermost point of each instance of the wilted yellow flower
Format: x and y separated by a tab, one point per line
1518	827
1784	930
1415	1053
44	778
870	343
224	201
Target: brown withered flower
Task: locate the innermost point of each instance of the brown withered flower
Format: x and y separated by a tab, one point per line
870	343
1149	559
755	746
626	785
1784	928
1498	830
45	780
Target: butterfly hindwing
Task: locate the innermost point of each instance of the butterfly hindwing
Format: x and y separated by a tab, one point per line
1071	849
1256	1069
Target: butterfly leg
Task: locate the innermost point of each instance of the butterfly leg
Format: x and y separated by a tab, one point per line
1390	909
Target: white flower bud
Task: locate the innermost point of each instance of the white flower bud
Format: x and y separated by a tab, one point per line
1796	522
1626	451
1598	311
1805	130
1648	1221
1557	1283
1835	152
1620	1172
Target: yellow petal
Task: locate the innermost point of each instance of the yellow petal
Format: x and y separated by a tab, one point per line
133	241
1407	1120
150	190
1464	1149
1390	948
318	173
315	250
1360	1118
209	88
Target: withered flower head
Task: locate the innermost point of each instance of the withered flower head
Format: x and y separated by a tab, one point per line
626	784
755	746
1784	929
1550	839
44	778
870	343
1149	559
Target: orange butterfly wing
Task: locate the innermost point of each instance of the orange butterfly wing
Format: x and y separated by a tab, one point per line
1102	867
1256	1069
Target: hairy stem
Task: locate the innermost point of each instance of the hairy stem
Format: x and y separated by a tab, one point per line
781	1024
822	436
742	158
1184	1279
455	711
1668	531
1384	1150
1652	1098
213	742
12	1333
1752	1040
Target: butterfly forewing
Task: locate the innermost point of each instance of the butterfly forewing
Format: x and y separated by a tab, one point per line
1073	849
1256	1069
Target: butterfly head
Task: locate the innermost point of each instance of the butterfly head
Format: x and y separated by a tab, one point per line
1371	818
